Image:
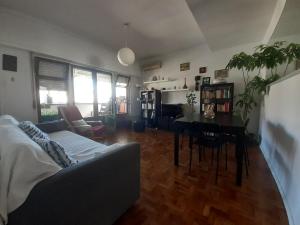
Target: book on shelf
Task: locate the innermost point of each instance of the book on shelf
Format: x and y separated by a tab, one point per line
223	93
223	107
208	94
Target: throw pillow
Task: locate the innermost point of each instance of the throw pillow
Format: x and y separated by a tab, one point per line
32	131
55	151
81	125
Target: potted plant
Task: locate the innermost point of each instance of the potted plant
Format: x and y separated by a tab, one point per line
265	56
191	101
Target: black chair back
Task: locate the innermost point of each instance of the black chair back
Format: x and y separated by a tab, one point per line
206	128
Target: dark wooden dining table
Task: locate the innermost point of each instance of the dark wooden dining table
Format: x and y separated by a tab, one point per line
229	124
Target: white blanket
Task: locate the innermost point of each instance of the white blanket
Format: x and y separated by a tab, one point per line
22	165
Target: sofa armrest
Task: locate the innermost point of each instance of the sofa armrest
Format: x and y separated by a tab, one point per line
97	191
53	126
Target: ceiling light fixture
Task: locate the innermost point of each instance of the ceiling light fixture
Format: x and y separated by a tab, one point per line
125	55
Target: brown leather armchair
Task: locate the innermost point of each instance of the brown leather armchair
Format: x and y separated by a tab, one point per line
92	129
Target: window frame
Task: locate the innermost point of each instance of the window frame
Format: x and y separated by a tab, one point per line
127	94
95	94
39	77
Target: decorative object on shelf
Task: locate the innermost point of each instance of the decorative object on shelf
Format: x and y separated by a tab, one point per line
125	55
154	78
220	76
205	80
197	83
209	111
162	78
174	87
203	69
9	63
184	66
185	86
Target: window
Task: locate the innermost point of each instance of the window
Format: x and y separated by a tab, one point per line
121	94
104	94
52	86
92	92
83	91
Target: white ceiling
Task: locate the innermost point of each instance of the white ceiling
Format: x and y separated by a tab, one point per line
228	23
157	26
289	22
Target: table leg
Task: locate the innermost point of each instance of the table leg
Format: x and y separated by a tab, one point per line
176	148
239	159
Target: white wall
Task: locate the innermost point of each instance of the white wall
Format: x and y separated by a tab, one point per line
198	56
16	96
281	140
21	34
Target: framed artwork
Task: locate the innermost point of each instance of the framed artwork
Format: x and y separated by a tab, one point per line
203	69
221	74
184	66
205	80
9	63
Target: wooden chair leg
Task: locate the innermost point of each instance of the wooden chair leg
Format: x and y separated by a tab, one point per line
217	170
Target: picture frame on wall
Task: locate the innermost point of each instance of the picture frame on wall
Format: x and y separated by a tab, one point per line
184	66
203	69
205	80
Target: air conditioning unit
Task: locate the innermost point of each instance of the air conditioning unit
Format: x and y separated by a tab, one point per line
151	66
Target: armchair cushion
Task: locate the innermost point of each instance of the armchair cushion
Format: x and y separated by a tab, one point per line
81	125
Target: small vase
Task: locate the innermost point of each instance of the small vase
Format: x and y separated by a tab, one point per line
185	86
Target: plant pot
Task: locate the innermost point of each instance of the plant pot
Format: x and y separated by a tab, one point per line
188	110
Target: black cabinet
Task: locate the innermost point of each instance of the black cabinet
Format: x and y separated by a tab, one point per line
150	107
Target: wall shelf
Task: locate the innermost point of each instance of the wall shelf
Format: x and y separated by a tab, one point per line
175	90
157	81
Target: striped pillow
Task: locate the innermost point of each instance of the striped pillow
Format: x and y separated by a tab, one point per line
55	151
32	131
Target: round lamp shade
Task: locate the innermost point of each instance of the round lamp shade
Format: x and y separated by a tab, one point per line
126	56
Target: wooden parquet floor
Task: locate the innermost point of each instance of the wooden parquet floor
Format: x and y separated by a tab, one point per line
170	195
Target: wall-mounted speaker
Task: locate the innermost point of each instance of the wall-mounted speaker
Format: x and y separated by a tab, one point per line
9	62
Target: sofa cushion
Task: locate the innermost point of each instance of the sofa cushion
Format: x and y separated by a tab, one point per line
32	131
8	120
78	147
55	151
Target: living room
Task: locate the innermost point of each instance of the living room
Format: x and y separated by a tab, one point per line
149	112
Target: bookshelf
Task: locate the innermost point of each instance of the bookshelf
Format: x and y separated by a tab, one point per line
219	94
150	107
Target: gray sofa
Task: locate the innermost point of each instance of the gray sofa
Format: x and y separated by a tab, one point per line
95	191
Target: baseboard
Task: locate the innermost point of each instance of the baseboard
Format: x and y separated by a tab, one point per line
287	208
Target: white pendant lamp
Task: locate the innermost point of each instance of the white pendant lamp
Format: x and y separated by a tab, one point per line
125	55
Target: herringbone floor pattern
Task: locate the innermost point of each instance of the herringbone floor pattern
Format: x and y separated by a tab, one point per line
169	195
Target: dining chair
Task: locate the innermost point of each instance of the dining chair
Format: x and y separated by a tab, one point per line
206	135
231	139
